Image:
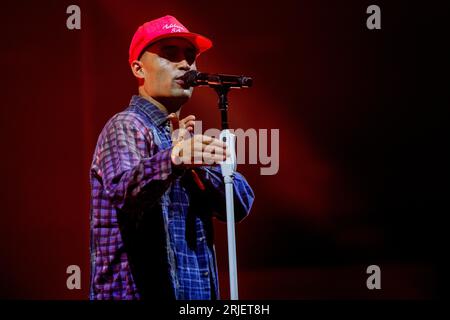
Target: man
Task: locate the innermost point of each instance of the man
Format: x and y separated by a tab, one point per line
155	188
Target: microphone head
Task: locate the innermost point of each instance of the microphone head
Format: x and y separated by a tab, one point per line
190	78
194	78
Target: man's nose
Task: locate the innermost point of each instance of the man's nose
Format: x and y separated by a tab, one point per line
184	65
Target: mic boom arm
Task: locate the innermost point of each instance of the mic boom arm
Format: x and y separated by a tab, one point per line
194	78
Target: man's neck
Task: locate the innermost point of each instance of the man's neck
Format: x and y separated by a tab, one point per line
155	102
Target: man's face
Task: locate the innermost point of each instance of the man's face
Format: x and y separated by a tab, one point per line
162	63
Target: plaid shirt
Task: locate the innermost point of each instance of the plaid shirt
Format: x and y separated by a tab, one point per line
151	226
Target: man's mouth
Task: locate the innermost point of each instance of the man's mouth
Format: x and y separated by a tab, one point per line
181	82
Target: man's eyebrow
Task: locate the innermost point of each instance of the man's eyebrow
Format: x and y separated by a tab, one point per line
172	46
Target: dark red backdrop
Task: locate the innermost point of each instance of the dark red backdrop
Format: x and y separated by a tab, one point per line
360	125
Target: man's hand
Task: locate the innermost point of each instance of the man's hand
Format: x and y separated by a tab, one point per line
182	129
197	150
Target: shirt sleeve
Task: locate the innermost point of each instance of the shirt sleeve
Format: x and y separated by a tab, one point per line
126	166
215	187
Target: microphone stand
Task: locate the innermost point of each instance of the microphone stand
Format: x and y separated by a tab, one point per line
228	168
222	83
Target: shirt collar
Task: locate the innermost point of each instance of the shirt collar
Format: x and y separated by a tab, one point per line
155	114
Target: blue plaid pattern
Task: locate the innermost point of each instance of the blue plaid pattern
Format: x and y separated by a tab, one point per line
151	228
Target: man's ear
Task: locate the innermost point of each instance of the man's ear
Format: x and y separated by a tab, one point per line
137	69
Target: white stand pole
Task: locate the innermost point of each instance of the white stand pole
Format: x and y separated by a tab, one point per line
228	168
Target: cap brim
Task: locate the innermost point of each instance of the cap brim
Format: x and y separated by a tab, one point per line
200	42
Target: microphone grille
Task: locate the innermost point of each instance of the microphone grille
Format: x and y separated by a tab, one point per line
190	78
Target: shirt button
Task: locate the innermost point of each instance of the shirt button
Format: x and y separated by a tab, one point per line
206	273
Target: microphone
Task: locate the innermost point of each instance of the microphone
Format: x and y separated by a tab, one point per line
194	78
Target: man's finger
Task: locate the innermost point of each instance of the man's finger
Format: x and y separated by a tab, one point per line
190	123
212	158
189	120
215	149
174	121
190	117
203	138
216	143
208	140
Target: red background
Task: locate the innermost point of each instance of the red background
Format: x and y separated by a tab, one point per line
359	112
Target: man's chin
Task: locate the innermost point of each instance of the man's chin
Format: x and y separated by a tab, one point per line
182	94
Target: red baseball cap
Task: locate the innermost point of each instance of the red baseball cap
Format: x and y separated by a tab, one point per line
161	28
